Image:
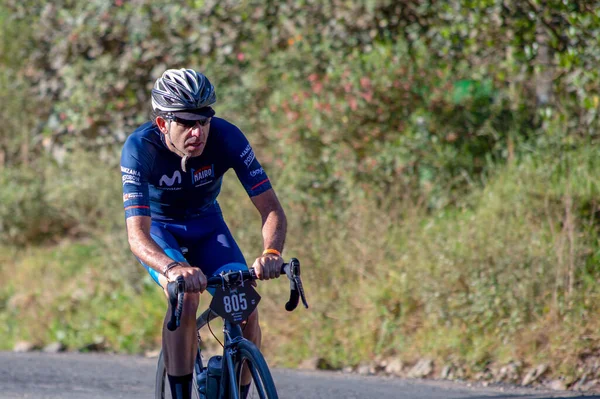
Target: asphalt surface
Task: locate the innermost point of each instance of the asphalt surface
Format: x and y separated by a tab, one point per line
102	376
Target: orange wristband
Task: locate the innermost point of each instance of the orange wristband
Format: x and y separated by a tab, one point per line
271	251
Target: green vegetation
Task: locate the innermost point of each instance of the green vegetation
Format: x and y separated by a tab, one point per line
437	162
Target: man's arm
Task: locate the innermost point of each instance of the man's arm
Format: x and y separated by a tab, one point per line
143	246
147	250
274	228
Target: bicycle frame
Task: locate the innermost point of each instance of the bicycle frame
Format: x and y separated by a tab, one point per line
234	343
232	336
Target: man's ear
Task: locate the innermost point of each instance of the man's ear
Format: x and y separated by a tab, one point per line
162	124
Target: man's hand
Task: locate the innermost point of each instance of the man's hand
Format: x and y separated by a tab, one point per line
268	266
195	280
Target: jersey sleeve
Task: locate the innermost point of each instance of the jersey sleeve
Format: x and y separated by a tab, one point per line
135	169
246	166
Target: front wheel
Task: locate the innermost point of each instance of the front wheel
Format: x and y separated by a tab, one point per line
162	389
250	359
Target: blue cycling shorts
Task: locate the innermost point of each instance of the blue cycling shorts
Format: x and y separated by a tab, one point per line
209	242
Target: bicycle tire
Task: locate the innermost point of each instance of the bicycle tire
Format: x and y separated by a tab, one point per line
262	385
162	389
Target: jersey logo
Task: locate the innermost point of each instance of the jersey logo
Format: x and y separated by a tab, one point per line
130	176
249	159
222	239
249	154
169	181
256	172
202	176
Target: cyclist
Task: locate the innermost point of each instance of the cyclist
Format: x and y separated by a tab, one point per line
172	168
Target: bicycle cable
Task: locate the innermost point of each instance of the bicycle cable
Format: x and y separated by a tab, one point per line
213	334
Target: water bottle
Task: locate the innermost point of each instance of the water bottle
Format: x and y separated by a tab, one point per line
213	377
201	381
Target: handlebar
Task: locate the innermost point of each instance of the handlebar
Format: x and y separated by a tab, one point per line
176	289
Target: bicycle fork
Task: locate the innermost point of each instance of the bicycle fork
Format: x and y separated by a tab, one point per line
233	334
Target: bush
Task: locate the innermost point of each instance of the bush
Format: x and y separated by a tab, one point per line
50	200
25	214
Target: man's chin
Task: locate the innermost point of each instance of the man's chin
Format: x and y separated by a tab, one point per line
195	152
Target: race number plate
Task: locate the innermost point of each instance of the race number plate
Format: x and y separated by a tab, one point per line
235	304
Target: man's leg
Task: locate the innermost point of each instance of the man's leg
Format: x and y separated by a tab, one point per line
180	346
251	329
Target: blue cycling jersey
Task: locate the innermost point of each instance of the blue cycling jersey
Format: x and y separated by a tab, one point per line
154	184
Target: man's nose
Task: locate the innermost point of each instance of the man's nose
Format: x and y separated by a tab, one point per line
197	129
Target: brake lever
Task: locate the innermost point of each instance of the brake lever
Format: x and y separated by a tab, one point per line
296	289
301	290
176	291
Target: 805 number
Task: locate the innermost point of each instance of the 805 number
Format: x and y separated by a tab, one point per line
235	302
235	305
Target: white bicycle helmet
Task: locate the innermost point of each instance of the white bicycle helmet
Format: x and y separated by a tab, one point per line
181	90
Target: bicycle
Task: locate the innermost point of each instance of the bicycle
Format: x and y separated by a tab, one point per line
233	301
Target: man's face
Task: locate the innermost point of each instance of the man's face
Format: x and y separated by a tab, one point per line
188	136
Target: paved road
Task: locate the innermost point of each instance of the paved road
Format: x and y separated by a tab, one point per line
94	376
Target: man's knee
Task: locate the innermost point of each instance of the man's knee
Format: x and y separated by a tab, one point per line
191	300
252	319
251	328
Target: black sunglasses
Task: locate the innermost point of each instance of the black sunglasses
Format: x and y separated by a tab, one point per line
187	123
